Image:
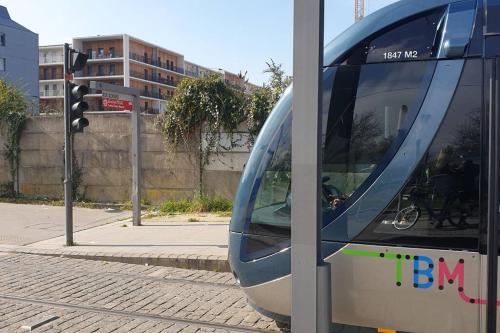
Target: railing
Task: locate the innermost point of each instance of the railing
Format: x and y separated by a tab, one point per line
90	74
51	77
51	59
153	94
150	110
161	64
51	93
104	56
153	78
192	74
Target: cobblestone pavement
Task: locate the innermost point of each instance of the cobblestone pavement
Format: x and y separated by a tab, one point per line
93	296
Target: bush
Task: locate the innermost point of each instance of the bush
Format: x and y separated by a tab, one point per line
175	206
202	204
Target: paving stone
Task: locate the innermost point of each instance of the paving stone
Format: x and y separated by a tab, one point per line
129	290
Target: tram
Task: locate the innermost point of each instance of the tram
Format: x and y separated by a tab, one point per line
407	94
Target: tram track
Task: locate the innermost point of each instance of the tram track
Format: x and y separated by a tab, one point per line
134	315
157	294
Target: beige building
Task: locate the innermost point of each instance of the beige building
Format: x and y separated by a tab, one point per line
122	60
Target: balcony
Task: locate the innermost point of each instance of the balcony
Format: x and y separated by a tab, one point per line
51	59
51	93
153	94
161	64
150	110
50	77
192	74
98	73
154	78
108	55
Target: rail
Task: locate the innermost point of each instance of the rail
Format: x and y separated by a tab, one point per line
161	64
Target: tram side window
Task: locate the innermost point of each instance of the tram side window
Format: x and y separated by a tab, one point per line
439	206
372	108
401	42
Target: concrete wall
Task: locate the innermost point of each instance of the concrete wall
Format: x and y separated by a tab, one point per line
103	153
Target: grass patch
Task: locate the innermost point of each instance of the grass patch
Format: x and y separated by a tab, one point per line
192	219
201	204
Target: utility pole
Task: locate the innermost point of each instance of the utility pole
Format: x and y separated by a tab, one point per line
359	10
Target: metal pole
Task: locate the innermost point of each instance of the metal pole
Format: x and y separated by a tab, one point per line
68	195
493	205
310	304
136	162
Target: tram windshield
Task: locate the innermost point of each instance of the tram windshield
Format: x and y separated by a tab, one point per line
372	107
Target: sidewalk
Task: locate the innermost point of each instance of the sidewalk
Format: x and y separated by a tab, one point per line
161	241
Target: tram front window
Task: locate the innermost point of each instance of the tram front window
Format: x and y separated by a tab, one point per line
372	107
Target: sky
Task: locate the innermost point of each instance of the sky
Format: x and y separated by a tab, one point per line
236	35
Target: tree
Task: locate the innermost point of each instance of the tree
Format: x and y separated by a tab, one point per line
13	113
278	81
202	110
259	107
262	100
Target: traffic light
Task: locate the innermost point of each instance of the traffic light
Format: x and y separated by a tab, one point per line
78	61
77	106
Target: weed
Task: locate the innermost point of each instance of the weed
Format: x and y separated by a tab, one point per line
200	204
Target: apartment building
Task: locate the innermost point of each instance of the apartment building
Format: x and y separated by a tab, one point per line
51	78
19	57
122	60
198	71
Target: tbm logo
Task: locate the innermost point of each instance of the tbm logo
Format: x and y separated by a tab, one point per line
423	268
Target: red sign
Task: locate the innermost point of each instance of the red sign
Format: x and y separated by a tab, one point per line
117	104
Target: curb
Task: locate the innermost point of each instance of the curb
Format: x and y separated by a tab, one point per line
185	261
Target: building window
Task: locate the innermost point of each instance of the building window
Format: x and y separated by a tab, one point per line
112	52
100	70
100	52
112	69
2	39
89	53
54	74
45	73
145	74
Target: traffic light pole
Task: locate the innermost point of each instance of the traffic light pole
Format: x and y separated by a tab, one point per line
68	193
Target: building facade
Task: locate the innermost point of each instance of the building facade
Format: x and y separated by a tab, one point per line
19	57
51	76
122	60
